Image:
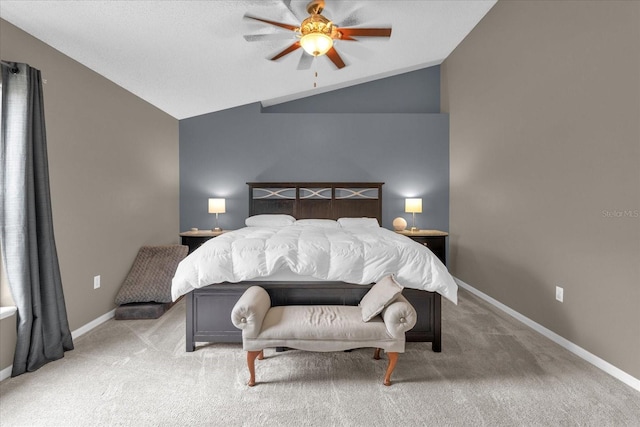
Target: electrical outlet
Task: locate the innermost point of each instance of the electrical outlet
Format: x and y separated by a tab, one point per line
96	282
559	293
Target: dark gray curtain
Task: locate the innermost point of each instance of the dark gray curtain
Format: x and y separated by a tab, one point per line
26	234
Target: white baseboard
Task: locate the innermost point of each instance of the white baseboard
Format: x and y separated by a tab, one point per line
6	372
94	323
575	349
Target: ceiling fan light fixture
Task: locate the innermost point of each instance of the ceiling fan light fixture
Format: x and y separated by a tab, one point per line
316	35
316	44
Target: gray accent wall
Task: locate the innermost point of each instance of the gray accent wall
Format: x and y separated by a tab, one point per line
220	152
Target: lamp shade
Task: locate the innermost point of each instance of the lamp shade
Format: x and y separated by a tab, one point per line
216	206
413	205
316	44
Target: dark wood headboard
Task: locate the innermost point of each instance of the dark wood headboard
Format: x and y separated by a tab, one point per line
327	200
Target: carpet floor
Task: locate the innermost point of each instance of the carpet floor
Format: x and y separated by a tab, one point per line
493	371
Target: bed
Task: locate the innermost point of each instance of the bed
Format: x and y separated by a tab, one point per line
208	308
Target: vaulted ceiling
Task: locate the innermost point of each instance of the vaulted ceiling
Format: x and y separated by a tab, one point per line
191	57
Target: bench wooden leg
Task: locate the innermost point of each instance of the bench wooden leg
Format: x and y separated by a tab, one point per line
251	359
376	353
393	359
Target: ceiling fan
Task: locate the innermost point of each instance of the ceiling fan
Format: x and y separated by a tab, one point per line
316	34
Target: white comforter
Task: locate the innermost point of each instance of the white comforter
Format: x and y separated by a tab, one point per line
353	255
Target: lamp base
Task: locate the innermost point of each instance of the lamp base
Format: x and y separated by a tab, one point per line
216	229
414	229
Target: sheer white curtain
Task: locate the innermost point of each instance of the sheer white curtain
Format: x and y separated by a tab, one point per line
26	224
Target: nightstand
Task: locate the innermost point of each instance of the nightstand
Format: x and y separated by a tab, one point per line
194	239
435	240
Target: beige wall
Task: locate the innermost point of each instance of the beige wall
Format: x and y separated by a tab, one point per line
7	325
8	337
544	102
113	164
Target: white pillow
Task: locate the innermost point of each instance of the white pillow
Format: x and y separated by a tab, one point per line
269	220
379	296
358	222
323	223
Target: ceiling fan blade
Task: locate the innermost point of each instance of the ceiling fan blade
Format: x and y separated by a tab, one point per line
277	24
352	18
287	51
287	3
266	37
359	51
305	61
335	58
364	32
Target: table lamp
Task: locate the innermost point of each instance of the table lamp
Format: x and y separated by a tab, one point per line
413	206
216	206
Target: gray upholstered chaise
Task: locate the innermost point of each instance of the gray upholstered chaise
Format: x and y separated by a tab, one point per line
146	291
320	327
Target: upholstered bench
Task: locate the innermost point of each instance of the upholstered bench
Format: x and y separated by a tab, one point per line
326	328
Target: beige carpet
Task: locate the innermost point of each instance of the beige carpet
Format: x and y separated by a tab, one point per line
493	371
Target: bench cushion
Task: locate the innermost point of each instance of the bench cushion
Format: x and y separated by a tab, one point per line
322	328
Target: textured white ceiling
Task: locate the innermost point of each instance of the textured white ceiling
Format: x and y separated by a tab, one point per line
190	57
